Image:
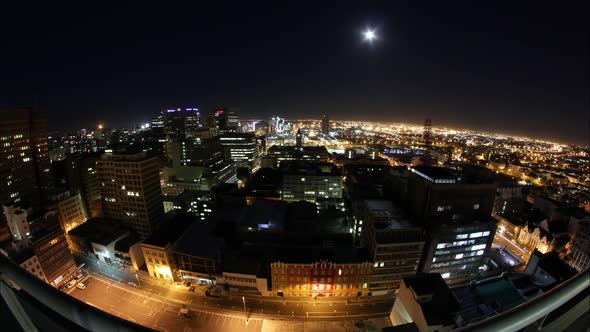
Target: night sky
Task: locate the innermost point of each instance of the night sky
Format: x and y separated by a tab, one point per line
514	67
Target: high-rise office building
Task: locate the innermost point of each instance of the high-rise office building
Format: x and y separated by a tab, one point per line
455	209
130	190
299	140
24	159
157	126
77	173
395	244
227	119
279	153
241	148
181	123
326	125
310	181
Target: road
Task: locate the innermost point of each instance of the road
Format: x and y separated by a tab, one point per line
514	247
258	307
154	312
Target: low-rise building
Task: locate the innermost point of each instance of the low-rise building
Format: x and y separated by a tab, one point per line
345	275
198	253
425	300
158	250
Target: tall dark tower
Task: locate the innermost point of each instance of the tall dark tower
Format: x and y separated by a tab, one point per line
326	125
427	133
427	136
299	140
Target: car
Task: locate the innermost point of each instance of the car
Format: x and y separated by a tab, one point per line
502	253
132	284
71	284
80	286
79	276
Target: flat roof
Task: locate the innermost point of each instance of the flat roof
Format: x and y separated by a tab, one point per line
199	241
99	230
174	225
440	308
300	167
434	173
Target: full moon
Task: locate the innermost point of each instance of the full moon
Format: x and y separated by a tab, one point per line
369	35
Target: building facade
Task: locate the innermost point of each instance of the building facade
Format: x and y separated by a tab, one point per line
71	214
241	148
130	191
323	278
580	250
311	181
395	245
456	209
24	157
53	253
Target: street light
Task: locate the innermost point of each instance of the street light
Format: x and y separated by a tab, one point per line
139	285
245	309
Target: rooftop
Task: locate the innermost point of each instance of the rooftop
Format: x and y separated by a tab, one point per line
174	225
439	304
199	241
487	298
99	230
435	174
293	167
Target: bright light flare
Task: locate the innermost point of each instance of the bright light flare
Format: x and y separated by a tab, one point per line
370	35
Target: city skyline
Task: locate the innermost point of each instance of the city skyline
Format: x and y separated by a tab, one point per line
252	166
522	73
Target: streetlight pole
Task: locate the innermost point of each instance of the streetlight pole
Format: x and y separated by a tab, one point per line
245	310
139	285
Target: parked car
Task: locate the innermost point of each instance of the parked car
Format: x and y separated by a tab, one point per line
81	286
79	276
132	284
71	284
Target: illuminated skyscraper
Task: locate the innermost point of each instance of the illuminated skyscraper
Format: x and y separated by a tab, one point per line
180	123
130	190
24	159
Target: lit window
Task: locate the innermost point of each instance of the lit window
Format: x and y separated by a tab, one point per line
478	234
446	275
458	256
462	236
480	252
486	233
476	206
